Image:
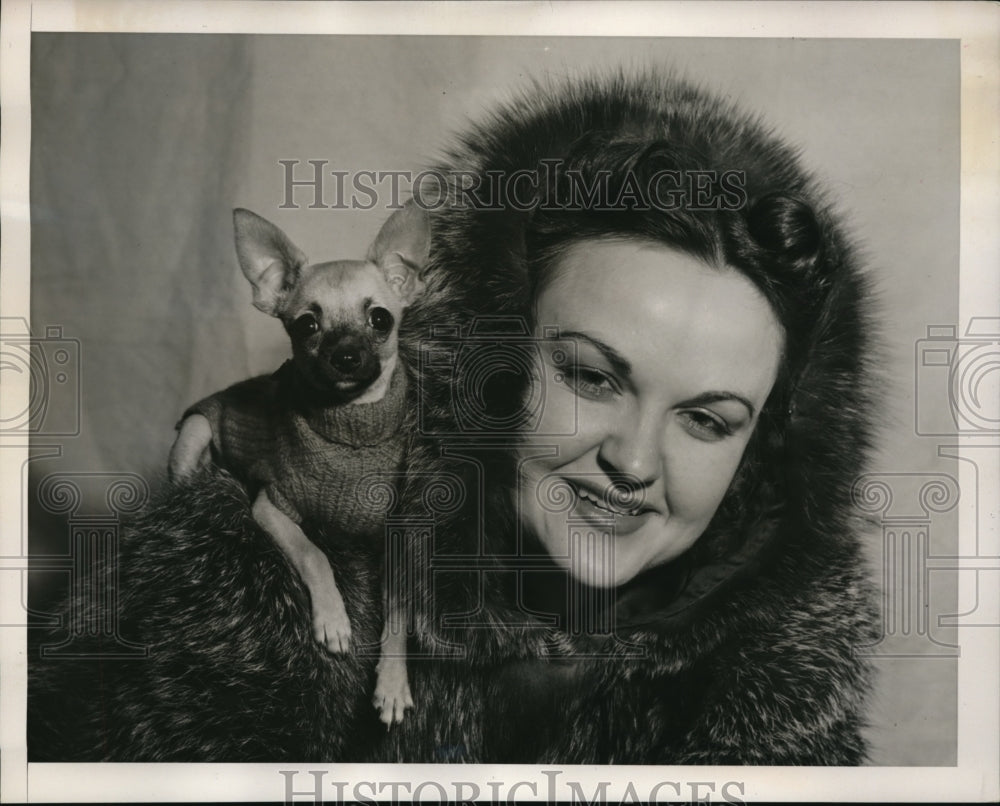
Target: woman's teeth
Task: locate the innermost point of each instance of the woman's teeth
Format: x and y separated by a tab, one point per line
601	504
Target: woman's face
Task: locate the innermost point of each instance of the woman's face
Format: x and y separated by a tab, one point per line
668	366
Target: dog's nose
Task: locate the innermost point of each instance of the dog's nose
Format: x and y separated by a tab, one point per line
349	356
346	358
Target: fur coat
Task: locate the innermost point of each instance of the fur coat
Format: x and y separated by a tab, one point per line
744	651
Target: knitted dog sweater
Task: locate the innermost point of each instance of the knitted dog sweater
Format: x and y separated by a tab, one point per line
314	463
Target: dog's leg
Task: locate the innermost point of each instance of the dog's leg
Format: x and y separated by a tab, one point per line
331	626
392	688
191	447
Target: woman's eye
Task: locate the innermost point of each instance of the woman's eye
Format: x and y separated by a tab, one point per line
380	319
303	327
705	425
592	384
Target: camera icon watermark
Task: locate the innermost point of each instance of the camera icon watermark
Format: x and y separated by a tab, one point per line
958	380
500	376
913	509
50	368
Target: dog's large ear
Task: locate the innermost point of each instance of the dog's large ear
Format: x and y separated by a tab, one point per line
402	249
269	260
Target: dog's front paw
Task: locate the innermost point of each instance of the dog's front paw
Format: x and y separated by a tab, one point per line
392	691
331	626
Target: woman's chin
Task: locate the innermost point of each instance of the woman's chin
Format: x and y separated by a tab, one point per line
597	553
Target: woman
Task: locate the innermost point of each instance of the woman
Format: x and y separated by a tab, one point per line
627	526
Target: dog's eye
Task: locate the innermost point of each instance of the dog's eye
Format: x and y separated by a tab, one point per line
303	327
380	319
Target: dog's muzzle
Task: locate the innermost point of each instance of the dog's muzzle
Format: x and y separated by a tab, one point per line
352	358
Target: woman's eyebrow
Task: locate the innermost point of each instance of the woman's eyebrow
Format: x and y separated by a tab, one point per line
624	367
718	397
620	363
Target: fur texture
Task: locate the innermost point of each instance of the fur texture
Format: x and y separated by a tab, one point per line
233	672
745	653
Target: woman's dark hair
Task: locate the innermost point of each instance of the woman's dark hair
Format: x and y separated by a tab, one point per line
772	235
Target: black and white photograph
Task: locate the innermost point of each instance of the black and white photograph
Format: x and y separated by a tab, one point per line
500	401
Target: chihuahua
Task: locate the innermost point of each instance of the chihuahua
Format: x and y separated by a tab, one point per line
303	437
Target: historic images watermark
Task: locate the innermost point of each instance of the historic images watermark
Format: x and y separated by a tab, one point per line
416	568
552	186
551	786
500	376
956	380
50	365
92	560
46	370
956	396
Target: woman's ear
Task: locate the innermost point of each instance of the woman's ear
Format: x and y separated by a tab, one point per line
402	249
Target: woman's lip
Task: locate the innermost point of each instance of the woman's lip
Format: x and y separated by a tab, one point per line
621	524
594	506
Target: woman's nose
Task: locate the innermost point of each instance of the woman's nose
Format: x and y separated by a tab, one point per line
633	448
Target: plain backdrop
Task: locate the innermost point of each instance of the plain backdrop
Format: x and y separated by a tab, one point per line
143	144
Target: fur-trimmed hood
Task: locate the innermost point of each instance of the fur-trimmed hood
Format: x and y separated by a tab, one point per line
816	431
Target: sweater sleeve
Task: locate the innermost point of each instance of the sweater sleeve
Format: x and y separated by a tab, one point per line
212	409
242	421
281	501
